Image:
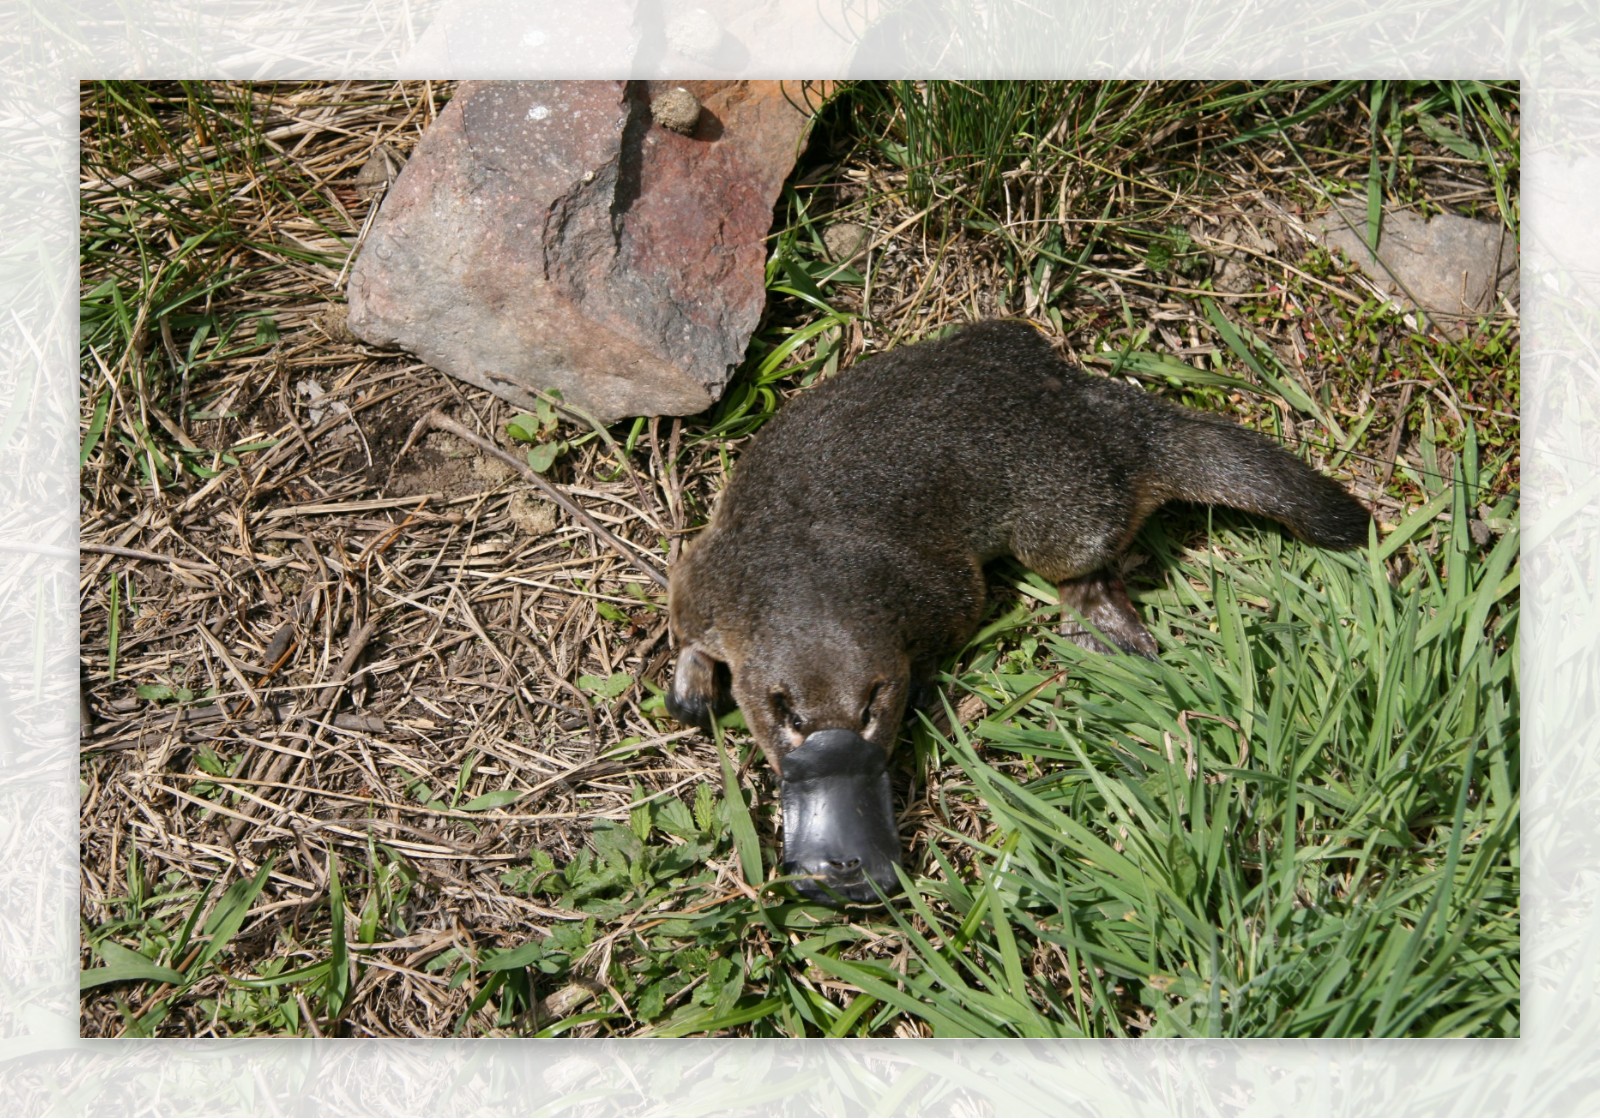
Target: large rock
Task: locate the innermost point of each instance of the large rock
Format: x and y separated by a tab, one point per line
551	235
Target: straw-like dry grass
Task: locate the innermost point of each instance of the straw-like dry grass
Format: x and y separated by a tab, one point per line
368	672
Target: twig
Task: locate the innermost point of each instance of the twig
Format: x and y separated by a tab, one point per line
128	553
329	696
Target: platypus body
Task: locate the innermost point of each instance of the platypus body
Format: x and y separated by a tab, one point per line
845	558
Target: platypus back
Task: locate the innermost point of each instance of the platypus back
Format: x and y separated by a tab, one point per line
846	556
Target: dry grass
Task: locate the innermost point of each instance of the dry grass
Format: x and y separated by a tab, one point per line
375	635
346	642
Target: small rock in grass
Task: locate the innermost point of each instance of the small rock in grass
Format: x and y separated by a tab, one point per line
1453	268
845	241
378	171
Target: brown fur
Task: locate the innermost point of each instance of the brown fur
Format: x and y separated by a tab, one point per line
845	558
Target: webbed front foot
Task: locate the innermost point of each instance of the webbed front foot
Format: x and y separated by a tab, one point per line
701	689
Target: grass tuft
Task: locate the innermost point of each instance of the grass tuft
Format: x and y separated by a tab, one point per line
1302	822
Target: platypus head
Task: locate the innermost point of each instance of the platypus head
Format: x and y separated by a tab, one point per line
825	706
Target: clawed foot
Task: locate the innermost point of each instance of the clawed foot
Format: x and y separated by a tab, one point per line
1102	601
701	689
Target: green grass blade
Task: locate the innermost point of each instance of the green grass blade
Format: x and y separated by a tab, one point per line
229	915
125	965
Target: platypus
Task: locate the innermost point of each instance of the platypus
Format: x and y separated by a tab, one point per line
846	557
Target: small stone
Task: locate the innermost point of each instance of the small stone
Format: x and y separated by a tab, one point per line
845	241
677	109
334	321
378	171
533	518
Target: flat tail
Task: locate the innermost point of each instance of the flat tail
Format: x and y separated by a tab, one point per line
1220	463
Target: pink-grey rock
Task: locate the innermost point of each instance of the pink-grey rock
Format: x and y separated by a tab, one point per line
545	235
1454	268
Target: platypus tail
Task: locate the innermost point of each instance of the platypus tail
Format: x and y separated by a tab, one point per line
1220	463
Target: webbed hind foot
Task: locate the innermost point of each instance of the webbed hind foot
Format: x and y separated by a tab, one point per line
1101	600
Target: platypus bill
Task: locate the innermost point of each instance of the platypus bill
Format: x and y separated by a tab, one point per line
845	558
